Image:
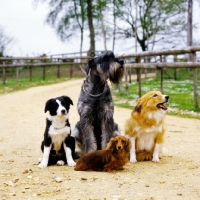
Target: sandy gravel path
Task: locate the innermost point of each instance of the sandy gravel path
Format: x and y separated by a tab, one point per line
22	122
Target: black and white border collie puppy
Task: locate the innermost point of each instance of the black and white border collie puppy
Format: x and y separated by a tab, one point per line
58	146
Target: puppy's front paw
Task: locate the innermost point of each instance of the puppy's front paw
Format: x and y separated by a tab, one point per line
71	163
60	163
42	165
133	160
155	159
39	160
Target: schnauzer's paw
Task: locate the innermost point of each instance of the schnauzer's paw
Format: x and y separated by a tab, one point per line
71	163
60	163
39	160
42	165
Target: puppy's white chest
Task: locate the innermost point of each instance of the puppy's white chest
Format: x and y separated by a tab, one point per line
58	136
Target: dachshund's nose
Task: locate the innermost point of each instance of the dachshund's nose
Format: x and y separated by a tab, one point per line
119	147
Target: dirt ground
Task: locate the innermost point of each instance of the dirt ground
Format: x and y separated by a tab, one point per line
176	176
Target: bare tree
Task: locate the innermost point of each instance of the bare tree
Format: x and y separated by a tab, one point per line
5	42
156	20
67	18
91	51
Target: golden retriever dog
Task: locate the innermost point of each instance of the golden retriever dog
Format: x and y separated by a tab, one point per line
113	158
145	128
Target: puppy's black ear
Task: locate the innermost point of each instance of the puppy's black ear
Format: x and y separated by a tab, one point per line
68	100
111	145
48	105
89	66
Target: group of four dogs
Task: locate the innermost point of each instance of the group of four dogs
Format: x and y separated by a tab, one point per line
96	137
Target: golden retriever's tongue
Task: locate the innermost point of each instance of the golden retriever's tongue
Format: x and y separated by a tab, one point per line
162	106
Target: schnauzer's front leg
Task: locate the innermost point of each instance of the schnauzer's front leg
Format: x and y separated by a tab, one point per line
86	118
108	126
89	142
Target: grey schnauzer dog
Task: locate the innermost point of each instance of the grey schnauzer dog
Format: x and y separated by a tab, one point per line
95	104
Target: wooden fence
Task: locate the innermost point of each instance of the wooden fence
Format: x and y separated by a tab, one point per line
43	62
144	60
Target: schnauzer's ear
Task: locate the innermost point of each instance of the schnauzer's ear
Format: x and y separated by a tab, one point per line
111	145
48	105
89	65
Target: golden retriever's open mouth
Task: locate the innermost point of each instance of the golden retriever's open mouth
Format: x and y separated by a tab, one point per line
162	106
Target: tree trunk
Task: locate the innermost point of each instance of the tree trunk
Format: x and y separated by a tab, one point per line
81	44
114	28
189	27
136	18
102	25
91	51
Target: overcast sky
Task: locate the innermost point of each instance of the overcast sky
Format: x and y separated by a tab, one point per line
21	20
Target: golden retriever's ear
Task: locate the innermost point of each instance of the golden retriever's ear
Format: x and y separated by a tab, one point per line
111	145
128	145
138	108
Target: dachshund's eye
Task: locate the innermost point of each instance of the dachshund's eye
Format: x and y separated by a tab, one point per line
123	141
155	95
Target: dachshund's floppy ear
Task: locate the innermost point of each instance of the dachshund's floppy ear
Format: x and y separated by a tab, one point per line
111	145
48	105
89	66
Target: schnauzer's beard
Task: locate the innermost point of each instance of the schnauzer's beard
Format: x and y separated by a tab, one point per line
116	72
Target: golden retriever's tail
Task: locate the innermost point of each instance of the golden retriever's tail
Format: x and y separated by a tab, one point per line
144	156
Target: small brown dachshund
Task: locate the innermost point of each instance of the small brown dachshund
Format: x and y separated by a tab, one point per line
113	158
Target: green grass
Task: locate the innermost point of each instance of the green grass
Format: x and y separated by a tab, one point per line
37	78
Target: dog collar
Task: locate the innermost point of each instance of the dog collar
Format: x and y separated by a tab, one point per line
94	95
